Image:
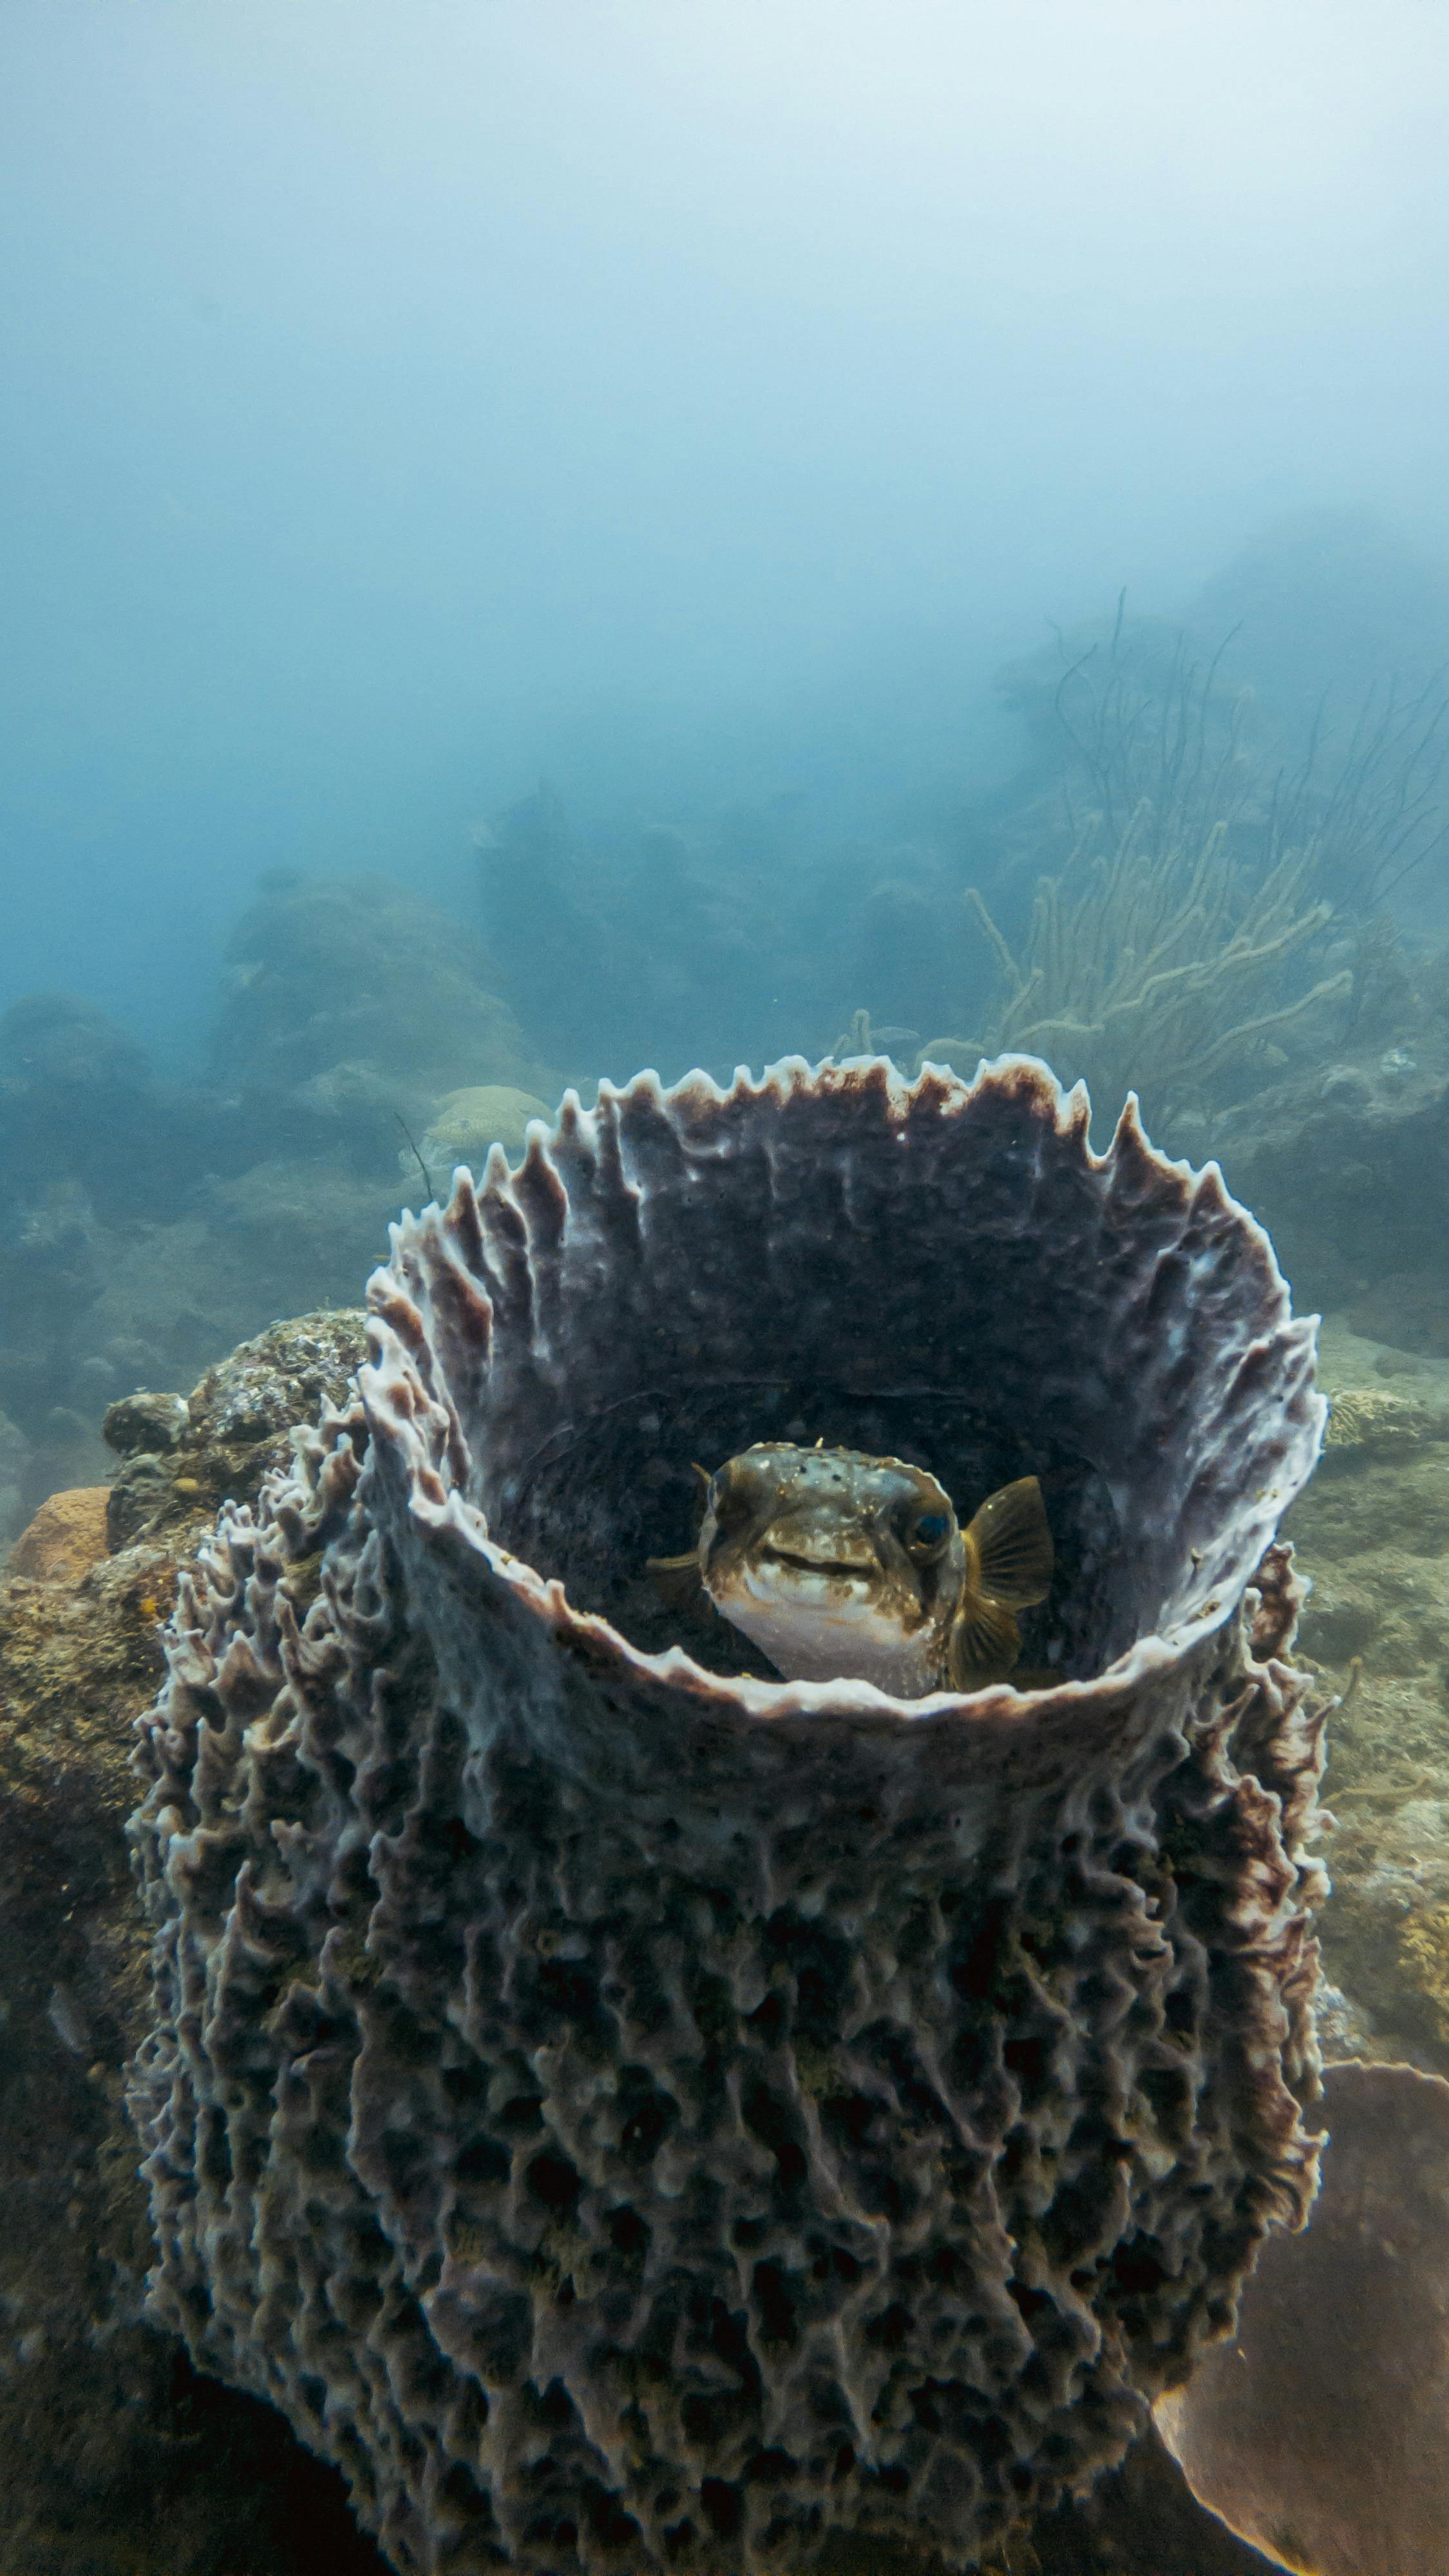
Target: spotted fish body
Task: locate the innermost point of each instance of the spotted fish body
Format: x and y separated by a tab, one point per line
834	1563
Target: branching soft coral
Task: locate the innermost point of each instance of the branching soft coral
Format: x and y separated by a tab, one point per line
1137	969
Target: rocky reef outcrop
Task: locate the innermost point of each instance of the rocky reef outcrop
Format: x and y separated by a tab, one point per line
150	1226
351	991
1350	1165
627	2113
1372	1531
116	2455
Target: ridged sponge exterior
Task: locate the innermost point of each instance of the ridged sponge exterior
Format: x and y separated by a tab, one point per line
633	2114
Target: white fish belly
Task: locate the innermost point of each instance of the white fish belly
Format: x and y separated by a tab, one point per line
832	1637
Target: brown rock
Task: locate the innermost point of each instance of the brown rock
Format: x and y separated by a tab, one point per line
144	1421
65	1539
1319	2431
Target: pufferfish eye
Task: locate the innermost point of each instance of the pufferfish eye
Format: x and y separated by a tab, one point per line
930	1529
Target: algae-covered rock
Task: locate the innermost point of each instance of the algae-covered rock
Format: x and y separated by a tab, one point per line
1372	1534
115	2457
1375	1418
65	1539
144	1421
353	977
226	1437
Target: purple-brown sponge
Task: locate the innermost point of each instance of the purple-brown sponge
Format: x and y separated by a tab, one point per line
634	2116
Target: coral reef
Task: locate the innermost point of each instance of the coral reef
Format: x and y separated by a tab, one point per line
14	1461
629	2114
1372	1534
298	1234
1187	913
91	1147
1350	1162
50	1284
78	1104
1321	604
66	1538
152	1224
118	2460
1180	898
150	1227
1127	723
354	991
650	945
1134	721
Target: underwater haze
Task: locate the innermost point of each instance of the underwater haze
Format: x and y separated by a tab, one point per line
553	547
677	403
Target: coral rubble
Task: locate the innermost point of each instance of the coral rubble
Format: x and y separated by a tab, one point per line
626	2113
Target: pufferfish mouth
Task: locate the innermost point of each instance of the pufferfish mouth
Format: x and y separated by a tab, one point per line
795	1561
787	1580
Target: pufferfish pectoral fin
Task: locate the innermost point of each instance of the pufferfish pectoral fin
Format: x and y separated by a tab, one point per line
1009	1553
982	1646
675	1578
1009	1562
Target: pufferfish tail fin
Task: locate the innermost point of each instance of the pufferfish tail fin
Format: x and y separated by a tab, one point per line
1009	1554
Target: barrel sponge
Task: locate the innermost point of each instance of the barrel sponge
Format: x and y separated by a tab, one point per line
632	2114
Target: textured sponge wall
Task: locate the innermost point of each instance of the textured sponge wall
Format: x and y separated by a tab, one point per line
633	2118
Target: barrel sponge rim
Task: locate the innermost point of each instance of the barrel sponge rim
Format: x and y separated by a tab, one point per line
415	1421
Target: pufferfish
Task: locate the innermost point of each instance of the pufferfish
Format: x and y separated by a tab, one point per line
840	1565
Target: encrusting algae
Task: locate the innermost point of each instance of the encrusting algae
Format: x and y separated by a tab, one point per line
1424	1950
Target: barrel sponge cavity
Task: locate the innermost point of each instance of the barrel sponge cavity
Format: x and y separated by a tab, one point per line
940	1272
633	2115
